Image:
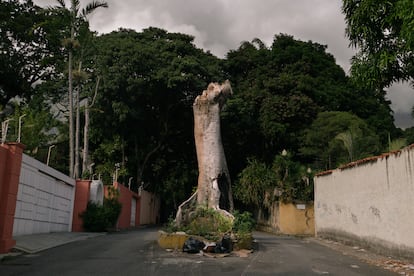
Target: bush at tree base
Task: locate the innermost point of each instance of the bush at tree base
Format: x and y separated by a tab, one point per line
243	222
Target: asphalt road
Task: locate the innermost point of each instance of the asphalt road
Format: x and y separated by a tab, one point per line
137	253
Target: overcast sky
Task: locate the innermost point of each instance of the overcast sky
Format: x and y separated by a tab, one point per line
221	25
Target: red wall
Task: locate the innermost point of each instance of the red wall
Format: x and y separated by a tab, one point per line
81	202
10	165
125	197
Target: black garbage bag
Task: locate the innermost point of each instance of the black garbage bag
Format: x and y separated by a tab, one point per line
192	245
225	245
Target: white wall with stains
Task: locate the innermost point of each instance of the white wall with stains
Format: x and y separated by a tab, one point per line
369	202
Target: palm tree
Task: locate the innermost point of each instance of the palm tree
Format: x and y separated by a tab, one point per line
348	140
76	15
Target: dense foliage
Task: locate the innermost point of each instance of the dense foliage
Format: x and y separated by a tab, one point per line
382	31
243	222
279	93
213	225
286	180
149	81
289	96
339	137
30	47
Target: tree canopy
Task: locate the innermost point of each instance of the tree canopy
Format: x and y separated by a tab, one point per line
30	47
280	91
290	95
382	32
336	138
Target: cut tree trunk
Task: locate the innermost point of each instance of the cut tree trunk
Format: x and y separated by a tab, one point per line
214	185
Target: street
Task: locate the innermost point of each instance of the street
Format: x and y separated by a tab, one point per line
137	253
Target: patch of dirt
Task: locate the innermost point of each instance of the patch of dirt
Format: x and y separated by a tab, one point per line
242	253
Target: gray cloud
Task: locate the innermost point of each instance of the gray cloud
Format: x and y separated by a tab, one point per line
221	25
402	97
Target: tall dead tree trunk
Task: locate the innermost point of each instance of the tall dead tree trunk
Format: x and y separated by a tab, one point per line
214	185
85	152
77	132
86	162
70	109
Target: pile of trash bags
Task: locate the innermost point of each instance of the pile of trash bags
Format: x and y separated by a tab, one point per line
193	245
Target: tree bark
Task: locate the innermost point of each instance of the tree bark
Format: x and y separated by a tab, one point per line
85	160
214	185
70	95
77	132
85	152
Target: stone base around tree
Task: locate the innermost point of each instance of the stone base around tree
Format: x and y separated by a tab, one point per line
173	241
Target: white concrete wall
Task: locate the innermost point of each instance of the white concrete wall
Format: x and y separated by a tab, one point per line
370	202
44	201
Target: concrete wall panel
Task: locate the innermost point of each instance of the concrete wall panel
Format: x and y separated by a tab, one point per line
45	199
369	202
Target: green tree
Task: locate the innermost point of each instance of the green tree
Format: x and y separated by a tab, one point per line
30	48
382	32
78	16
259	184
279	91
38	129
293	180
338	137
255	184
148	83
348	139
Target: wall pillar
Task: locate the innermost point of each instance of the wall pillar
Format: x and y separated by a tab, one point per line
82	192
10	165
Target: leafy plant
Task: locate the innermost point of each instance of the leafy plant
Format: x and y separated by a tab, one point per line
260	185
293	181
397	144
100	218
255	181
171	226
243	222
382	33
209	223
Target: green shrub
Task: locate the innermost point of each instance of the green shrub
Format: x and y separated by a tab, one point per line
97	218
209	223
243	222
171	226
213	225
